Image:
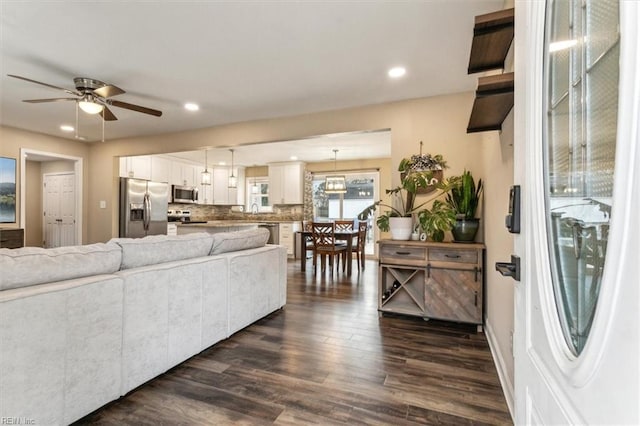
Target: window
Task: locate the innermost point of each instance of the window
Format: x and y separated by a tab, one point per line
258	195
361	193
582	68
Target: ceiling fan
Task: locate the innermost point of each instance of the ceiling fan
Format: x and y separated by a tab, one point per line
93	97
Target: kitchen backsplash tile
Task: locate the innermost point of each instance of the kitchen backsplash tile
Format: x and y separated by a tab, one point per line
208	212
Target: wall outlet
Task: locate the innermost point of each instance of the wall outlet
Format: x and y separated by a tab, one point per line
103	204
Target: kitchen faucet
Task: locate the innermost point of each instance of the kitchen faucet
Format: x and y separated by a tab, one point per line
254	208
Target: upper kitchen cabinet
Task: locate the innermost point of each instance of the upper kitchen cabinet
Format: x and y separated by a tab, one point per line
183	174
138	167
160	169
286	183
222	194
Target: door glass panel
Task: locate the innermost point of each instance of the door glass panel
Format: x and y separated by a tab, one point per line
581	84
360	194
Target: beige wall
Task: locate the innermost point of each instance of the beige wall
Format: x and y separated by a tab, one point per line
12	140
497	160
33	214
57	166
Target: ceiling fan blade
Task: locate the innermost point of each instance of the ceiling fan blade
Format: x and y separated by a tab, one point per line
71	92
133	107
107	115
108	91
37	101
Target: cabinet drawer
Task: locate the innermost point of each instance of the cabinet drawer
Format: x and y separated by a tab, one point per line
453	255
402	254
11	238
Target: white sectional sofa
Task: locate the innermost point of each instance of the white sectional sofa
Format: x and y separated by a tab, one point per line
81	326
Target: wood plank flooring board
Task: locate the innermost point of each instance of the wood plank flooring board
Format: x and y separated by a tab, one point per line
326	358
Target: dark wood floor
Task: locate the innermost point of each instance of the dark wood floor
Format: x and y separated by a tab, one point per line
326	358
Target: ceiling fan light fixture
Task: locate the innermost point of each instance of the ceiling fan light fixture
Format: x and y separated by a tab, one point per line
90	107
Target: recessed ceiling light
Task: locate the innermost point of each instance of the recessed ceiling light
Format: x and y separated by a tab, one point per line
191	106
222	163
293	157
397	72
66	128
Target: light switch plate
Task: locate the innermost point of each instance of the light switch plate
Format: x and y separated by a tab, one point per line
103	204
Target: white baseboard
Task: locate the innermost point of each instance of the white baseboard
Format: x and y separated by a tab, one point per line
498	360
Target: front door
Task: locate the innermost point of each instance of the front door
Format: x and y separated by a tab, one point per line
577	159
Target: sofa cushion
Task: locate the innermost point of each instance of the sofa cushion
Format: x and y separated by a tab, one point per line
239	240
34	265
155	249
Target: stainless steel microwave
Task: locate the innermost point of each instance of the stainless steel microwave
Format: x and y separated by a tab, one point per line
184	194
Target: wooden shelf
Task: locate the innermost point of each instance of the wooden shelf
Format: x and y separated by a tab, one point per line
492	37
494	100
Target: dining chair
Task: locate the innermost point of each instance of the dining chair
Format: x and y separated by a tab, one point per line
344	225
358	247
308	241
363	227
324	244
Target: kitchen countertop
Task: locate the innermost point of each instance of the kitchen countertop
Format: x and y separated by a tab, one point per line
221	223
235	222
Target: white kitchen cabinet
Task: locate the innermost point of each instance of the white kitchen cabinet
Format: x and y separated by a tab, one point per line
160	169
183	174
138	167
286	233
286	183
222	194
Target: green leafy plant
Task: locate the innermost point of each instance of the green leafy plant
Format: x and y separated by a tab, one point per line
437	220
419	162
464	195
405	197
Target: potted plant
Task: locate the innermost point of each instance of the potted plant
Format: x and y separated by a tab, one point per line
464	198
424	162
435	221
399	218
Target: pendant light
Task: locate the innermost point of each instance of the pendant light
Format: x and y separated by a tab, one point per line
255	189
335	184
233	180
206	175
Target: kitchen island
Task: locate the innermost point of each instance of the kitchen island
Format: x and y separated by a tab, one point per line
215	226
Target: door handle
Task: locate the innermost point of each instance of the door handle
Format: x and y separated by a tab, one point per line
146	213
510	269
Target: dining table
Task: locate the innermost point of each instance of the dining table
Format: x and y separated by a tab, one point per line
341	235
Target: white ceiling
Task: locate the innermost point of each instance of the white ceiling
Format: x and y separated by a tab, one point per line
239	60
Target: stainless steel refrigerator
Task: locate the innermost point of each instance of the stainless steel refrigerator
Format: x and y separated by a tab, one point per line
143	207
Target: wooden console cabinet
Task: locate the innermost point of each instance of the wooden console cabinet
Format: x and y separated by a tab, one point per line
432	280
11	238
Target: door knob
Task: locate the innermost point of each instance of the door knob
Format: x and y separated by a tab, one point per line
510	269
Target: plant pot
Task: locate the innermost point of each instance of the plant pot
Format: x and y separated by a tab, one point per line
437	175
465	230
437	236
401	228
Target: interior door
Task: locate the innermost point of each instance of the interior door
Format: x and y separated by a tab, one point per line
59	210
576	356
